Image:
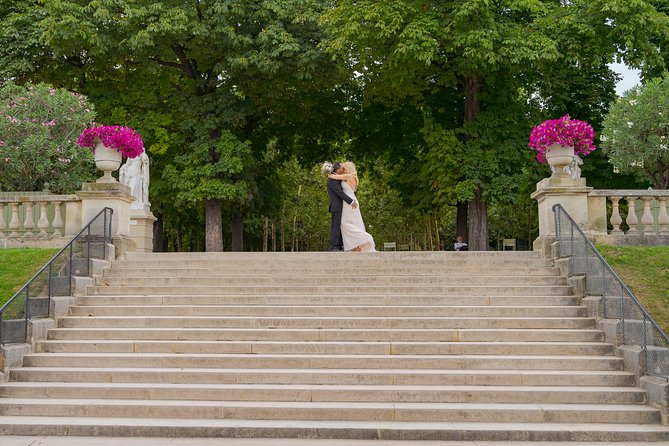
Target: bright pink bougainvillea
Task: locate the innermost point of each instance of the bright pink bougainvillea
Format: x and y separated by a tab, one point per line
124	139
564	131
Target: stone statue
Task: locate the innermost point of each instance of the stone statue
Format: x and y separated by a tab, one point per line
135	173
574	169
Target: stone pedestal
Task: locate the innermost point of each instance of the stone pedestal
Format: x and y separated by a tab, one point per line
572	194
97	196
141	229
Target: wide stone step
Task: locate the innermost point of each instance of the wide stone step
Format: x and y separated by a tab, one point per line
325	322
330	310
310	280
419	377
325	263
328	348
345	431
358	411
332	271
408	345
390	299
304	334
351	290
327	393
152	360
329	256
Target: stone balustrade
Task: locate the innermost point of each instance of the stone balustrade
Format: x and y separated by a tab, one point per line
45	220
38	218
647	225
603	214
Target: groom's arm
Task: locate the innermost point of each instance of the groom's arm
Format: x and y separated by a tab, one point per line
335	186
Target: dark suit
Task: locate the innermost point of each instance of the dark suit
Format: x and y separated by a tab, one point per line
337	198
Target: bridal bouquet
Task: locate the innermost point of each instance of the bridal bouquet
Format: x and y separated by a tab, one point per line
326	168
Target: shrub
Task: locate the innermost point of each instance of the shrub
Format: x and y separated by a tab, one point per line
39	126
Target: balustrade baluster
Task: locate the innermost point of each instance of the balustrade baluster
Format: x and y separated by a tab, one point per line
14	224
57	223
616	219
632	219
647	217
43	223
3	223
28	219
663	217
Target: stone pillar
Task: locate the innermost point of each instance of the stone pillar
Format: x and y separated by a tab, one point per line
97	196
141	229
572	194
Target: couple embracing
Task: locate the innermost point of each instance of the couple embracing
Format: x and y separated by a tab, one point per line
347	230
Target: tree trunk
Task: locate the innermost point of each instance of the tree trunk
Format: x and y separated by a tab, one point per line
265	235
461	220
273	235
283	228
429	233
478	210
158	239
478	223
213	237
237	231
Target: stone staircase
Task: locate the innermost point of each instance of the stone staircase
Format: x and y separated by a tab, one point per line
406	345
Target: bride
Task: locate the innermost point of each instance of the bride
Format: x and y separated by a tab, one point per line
352	227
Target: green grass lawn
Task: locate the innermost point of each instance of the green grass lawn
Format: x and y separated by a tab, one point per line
17	266
645	270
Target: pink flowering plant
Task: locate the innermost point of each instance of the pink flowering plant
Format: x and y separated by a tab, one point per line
39	125
121	138
564	131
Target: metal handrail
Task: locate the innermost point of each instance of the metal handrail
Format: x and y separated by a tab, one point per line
106	214
576	231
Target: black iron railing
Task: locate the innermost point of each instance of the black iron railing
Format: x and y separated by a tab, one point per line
638	327
55	278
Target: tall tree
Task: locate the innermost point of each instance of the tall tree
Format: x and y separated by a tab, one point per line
414	48
225	71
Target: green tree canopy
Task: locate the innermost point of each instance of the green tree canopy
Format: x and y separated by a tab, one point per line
490	55
636	132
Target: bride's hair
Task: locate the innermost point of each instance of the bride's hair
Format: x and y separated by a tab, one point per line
349	167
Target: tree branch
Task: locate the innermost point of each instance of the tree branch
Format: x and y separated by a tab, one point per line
199	10
164	63
186	64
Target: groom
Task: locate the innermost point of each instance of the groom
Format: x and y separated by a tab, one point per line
337	198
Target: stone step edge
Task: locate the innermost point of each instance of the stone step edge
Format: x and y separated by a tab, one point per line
329	342
326	387
330	371
334	405
342	430
292	296
302	356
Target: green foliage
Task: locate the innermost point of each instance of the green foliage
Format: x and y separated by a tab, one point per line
39	127
197	78
644	270
17	266
636	132
213	172
225	91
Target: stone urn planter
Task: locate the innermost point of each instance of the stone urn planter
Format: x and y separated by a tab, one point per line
559	157
107	160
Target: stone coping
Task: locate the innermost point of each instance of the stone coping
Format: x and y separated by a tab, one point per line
629	193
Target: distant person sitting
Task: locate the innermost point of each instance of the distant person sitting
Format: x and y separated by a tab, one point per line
460	245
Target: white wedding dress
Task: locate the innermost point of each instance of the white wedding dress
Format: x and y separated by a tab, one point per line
352	227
